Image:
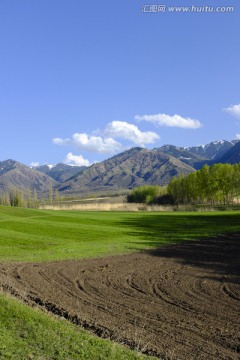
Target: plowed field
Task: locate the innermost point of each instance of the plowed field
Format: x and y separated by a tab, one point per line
177	302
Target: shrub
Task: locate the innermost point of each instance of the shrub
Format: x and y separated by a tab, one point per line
146	194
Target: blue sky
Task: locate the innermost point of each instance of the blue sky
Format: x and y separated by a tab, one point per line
81	81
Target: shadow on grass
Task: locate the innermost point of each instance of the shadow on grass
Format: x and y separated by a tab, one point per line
215	239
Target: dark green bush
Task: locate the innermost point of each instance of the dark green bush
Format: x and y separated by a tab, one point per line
146	194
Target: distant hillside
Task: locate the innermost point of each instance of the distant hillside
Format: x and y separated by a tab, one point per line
131	168
197	156
15	174
60	172
184	155
232	156
212	151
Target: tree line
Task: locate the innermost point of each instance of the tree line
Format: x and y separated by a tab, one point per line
19	198
216	184
26	198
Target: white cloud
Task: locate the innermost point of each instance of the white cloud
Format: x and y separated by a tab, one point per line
71	159
233	110
34	164
238	136
91	143
171	121
124	130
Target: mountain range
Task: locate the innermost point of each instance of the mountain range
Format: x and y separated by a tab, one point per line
131	168
60	172
134	167
197	156
15	174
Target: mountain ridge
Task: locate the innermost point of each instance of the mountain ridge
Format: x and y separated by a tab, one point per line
134	167
15	174
197	156
60	172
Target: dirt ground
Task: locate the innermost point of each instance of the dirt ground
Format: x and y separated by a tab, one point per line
176	302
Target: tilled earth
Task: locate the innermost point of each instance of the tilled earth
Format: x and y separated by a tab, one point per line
176	302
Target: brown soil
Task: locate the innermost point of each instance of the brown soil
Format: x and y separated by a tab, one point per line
177	302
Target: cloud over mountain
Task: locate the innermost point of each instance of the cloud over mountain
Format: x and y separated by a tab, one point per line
233	110
171	121
91	143
124	130
104	142
78	160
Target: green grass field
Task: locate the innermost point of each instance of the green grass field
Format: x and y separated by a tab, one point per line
44	235
27	334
